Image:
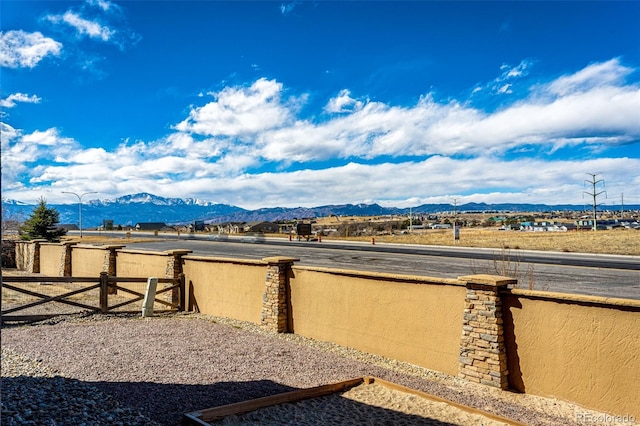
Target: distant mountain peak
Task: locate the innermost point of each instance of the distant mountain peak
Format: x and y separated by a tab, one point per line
145	207
141	197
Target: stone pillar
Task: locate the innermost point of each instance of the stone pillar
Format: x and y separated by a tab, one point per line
65	259
275	301
174	270
483	357
22	254
109	263
33	264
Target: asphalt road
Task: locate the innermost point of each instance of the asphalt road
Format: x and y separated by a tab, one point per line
601	275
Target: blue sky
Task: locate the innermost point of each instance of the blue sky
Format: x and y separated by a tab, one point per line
264	104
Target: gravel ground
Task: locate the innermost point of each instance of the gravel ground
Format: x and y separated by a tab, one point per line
123	369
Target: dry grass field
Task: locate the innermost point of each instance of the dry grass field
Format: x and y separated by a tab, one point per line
617	241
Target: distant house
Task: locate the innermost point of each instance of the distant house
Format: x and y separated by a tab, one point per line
150	226
68	226
259	226
285	228
544	227
602	224
227	227
439	226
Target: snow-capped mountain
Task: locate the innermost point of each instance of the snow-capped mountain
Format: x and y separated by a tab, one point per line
131	209
145	207
146	198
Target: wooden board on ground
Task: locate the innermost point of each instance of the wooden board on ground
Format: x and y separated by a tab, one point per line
268	407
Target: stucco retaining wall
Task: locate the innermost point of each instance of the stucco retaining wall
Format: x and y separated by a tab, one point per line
576	348
141	264
87	261
412	319
50	255
225	287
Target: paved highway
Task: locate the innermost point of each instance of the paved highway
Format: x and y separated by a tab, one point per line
602	275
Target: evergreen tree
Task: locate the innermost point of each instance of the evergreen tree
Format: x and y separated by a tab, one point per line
42	224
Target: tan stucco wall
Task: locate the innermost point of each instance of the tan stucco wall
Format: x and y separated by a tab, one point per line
576	350
141	264
86	261
412	321
50	259
225	287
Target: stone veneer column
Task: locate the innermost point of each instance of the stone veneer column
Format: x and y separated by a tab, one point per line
33	264
174	270
483	358
275	301
109	263
65	259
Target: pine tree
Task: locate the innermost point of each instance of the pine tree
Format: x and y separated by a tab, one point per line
42	224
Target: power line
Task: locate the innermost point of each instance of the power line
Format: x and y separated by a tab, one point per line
595	194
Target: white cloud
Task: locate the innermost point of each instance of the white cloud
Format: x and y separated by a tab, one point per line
503	84
10	101
343	103
19	49
7	135
20	152
240	111
593	76
83	26
519	70
287	8
456	149
506	88
99	20
48	138
106	6
256	119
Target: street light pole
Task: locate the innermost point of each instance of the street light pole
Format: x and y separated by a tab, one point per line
79	206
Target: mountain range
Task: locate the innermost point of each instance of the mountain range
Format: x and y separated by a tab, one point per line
144	207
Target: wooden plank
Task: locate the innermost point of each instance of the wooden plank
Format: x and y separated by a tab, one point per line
192	419
401	388
165	289
39	279
203	417
128	302
113	279
42	278
126	290
46	298
217	413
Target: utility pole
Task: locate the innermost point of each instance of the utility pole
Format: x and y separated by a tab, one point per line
622	206
456	232
594	182
410	220
79	206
